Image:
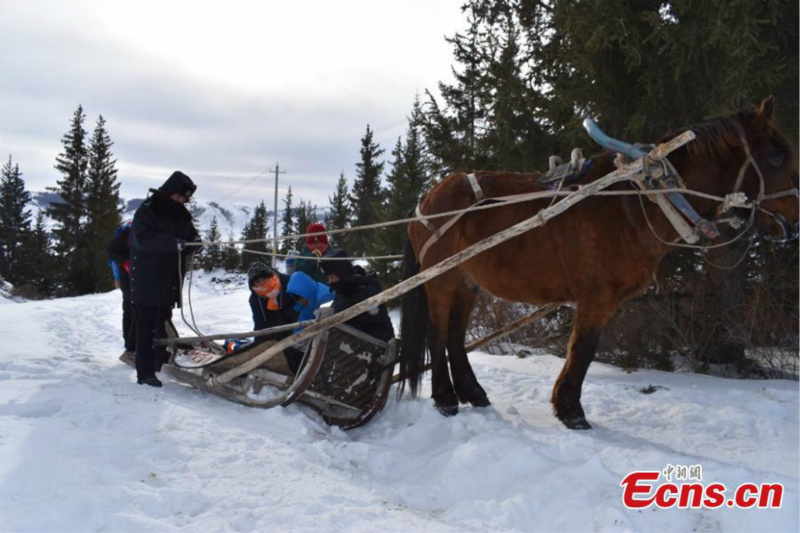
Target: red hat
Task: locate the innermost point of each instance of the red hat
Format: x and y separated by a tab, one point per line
316	227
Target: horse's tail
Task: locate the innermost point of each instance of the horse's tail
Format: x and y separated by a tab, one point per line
413	326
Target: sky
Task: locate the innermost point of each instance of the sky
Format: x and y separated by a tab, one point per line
220	90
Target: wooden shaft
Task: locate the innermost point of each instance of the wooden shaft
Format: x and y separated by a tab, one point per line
505	330
514	326
220	336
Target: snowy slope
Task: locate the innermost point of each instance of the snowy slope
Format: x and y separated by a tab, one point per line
83	448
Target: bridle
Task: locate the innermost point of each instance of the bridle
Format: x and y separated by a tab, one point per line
669	177
737	196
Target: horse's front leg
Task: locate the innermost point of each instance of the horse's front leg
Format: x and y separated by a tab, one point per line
589	323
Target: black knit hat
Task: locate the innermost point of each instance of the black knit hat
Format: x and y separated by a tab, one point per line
258	270
178	183
342	268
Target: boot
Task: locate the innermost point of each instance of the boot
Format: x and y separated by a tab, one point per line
129	358
152	381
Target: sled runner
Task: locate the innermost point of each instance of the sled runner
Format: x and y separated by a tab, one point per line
345	375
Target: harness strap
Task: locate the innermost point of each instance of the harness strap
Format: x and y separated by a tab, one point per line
476	188
424	221
437	233
748	160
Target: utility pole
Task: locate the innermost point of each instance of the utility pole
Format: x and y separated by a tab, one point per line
277	171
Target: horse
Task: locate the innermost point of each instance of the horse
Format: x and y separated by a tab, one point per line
597	254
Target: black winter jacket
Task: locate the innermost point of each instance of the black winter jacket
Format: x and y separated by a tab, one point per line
157	226
356	289
264	318
119	249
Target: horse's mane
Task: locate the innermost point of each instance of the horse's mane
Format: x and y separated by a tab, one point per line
714	138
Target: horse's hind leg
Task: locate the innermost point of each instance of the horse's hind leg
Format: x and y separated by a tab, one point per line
466	384
444	395
589	323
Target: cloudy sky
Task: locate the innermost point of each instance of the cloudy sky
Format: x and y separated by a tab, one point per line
220	90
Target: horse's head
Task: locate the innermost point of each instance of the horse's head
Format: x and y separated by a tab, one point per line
746	152
771	173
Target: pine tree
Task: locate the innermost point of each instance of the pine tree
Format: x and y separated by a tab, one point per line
340	214
367	196
453	131
289	227
256	229
103	206
306	214
212	254
231	258
661	53
494	117
14	223
38	260
407	182
71	245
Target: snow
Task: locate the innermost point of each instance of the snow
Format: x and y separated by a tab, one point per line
83	448
6	293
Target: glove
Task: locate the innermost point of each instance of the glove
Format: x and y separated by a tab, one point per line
196	249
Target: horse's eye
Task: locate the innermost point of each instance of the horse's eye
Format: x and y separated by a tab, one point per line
776	159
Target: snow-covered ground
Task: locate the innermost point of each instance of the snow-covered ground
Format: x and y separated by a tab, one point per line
83	448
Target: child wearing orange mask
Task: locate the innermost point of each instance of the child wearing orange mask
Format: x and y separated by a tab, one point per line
270	304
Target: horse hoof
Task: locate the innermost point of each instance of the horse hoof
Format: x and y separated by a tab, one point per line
576	423
476	397
448	410
480	402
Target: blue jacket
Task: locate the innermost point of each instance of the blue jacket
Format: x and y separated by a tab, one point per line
301	285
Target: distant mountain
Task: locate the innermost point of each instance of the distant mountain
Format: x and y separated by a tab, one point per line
231	219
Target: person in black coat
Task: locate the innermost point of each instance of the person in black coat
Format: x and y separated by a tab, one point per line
352	285
119	252
161	227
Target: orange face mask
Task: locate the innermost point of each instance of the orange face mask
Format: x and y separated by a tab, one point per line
269	288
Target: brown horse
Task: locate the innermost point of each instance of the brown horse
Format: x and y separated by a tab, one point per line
597	254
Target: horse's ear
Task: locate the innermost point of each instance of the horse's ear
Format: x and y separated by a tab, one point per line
766	110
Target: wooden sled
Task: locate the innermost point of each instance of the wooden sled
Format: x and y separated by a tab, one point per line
345	376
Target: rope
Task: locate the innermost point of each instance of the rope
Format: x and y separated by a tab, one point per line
479	207
749	224
734	265
223	244
193	326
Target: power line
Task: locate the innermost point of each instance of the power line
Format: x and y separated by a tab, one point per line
240	189
381	129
